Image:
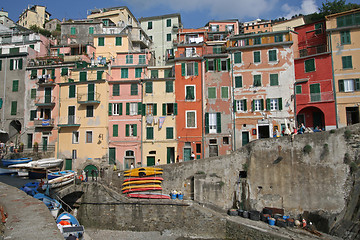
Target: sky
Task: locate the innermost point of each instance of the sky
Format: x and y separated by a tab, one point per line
194	13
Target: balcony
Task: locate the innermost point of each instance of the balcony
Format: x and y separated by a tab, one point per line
215	50
44	123
189	41
69	121
188	53
138	37
46	80
45	101
88	98
314	98
312	51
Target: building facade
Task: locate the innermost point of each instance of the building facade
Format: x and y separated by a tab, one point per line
34	16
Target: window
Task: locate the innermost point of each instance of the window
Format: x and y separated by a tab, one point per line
349	85
348	20
241	105
318	28
148	87
274	104
101	41
189	69
272	56
88	137
274	79
168	23
15	85
214	28
225	92
309	65
124	73
149	25
129	59
190	93
211	92
168	37
74	154
345	37
154	73
131	130
238	81
224	64
216	49
72	89
169	86
115	130
138	72
257	80
237	57
117	109
133	108
75	137
257	40
32	115
116	90
169	109
134	89
169	133
210	65
16	64
33	93
1	103
258	105
190	119
149	133
257	57
13	107
279	38
91	30
64	71
90	111
212	122
229	28
168	73
142	59
0	63
118	41
83	76
298	89
315	94
151	109
347	62
73	31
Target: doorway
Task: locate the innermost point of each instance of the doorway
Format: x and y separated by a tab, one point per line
112	155
187	154
170	157
264	131
44	143
245	138
150	161
317	120
68	164
352	115
71	114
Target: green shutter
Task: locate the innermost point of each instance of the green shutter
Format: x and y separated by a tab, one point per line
164	109
155	109
32	115
262	104
139	108
257	57
347	62
169	133
118	41
1	65
72	91
237	57
206	123
20	63
64	71
274	81
149	133
110	109
148	87
13	108
116	90
234	105
196	68
218	122
218	64
357	84
127	130
127	108
272	55
134	130
143	109
245	105
207	65
182	69
169	86
280	103
83	76
15	86
52	73
267	104
11	64
99	75
228	64
175	109
120	108
101	41
238	81
341	86
115	130
33	93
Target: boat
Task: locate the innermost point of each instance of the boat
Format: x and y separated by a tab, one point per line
22	172
60	181
37	173
42	163
143	169
53	204
4	171
31	188
142	189
143	173
68	224
52	175
141	186
149	196
7	162
141	182
144	178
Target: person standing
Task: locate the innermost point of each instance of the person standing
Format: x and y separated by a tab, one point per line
158	162
192	157
132	166
92	174
86	175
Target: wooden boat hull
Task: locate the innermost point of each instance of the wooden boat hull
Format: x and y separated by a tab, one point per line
144	178
143	169
143	173
148	196
141	182
142	189
141	186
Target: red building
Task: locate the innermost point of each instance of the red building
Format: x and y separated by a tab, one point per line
315	105
188	85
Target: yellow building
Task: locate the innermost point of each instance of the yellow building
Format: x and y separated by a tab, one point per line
83	121
107	45
35	15
159	116
344	33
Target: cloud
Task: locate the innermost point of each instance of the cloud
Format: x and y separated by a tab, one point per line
217	9
307	7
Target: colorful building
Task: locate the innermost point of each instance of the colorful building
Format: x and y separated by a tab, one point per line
343	32
315	105
263	79
257	26
34	16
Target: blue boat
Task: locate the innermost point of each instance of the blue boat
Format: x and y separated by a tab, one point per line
31	188
7	162
53	205
68	224
53	175
4	171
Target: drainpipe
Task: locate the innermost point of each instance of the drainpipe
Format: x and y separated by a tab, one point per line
58	130
141	121
3	106
233	100
202	109
333	81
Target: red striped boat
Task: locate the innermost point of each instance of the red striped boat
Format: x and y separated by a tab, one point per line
149	196
141	189
144	178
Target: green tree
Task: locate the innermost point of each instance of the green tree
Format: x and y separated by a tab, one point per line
336	6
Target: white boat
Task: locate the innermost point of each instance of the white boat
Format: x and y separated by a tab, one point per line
60	181
42	163
4	171
57	184
22	172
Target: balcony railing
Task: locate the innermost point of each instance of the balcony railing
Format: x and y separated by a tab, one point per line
215	50
46	80
313	50
69	121
314	97
45	101
188	53
88	98
44	123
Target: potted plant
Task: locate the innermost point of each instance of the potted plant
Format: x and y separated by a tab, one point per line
36	146
21	147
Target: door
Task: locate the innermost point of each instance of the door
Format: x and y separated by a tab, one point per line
213	150
68	164
150	161
245	138
170	156
91	169
47	95
352	115
71	114
264	131
91	92
45	143
187	154
112	155
29	140
301	119
317	120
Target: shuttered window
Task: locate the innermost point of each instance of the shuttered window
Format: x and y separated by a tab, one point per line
257	80
257	57
169	88
138	72
15	85
142	59
347	62
116	90
124	73
13	107
237	57
32	115
168	22
115	130
91	30
99	75
274	79
149	133
309	65
148	87
72	91
83	76
64	71
134	89
169	133
225	92
73	31
33	93
298	89
211	92
345	37
118	41
272	56
101	41
238	82
129	59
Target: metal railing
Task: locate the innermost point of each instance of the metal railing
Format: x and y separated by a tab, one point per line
312	50
88	97
47	99
69	120
44	122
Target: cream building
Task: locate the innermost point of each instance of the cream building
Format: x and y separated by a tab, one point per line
35	15
288	24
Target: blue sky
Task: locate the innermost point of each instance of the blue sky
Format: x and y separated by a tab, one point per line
194	13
